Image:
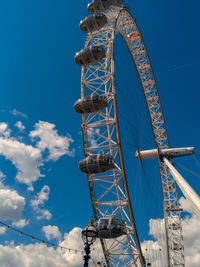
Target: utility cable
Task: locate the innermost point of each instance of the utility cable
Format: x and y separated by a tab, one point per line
41	240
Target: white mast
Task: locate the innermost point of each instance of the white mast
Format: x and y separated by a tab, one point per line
187	190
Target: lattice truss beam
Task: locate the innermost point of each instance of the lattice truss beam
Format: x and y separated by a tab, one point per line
127	27
99	130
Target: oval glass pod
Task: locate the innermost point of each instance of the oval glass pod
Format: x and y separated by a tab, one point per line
90	55
110	227
96	164
90	104
102	5
93	23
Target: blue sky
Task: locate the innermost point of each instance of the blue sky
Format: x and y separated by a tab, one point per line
39	83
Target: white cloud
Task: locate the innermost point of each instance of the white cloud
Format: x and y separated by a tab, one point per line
51	232
34	255
155	251
20	126
191	230
11	205
92	137
73	240
18	113
2	175
50	140
39	201
191	236
4	130
26	159
2	178
3	230
21	223
186	206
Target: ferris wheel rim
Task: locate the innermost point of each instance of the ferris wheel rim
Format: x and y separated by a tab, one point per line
170	256
92	192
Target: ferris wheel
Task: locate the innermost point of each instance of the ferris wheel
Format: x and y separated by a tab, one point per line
104	161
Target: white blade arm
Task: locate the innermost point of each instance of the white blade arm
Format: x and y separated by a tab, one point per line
187	190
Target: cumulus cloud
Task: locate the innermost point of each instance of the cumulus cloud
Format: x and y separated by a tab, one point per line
50	140
11	205
39	201
21	223
51	232
33	255
3	230
2	178
20	126
191	229
191	236
26	159
155	251
73	240
4	130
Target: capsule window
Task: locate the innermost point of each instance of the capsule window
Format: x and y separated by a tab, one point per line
104	222
91	26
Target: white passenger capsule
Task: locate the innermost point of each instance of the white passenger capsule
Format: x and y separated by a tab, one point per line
110	227
102	5
90	104
90	55
96	164
93	23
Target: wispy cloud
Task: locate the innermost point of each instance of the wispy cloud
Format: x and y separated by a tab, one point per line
39	201
18	113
